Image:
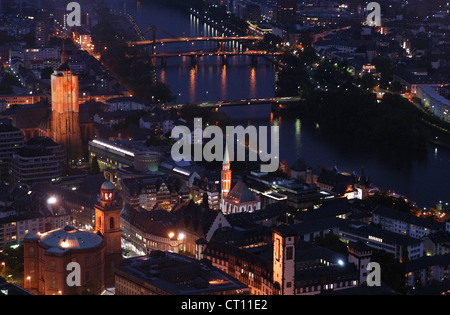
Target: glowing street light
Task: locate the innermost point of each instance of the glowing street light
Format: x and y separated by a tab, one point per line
51	200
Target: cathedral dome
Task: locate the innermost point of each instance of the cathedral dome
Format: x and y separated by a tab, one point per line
108	186
70	238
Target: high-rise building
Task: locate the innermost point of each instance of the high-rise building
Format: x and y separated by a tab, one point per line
42	28
65	118
286	11
40	161
11	140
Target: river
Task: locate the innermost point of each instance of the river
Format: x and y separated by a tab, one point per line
423	179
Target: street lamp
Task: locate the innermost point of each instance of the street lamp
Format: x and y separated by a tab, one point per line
52	200
181	245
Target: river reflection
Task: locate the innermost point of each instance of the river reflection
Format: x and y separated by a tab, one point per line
425	178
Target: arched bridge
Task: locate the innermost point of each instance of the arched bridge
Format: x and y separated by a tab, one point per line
194	55
220	39
279	101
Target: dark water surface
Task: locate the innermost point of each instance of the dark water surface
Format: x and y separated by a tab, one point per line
424	179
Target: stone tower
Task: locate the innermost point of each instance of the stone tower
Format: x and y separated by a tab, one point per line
107	224
284	243
65	119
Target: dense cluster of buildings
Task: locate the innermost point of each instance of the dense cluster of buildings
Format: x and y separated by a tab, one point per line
413	37
141	223
151	225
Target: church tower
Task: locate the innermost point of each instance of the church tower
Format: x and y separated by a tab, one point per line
225	175
363	185
65	119
107	224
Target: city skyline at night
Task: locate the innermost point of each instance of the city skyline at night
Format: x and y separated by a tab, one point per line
241	148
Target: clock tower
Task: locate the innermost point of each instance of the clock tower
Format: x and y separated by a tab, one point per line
107	224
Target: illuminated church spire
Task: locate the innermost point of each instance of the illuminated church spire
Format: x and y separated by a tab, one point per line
225	174
64	58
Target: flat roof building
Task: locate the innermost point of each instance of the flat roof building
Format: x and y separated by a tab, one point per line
401	246
118	154
165	273
432	100
405	223
41	160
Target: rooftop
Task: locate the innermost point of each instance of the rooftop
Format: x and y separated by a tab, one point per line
108	186
427	261
241	193
387	237
179	275
408	218
70	238
155	222
7	288
8	128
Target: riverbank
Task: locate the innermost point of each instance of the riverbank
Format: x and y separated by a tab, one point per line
420	177
335	101
210	15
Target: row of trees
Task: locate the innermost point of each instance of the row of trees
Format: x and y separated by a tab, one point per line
11	264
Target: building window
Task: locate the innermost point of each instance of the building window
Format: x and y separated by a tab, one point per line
32	268
289	253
